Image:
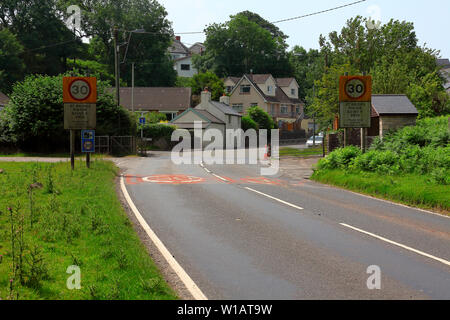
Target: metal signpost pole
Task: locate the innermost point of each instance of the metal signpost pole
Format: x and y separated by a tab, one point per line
72	151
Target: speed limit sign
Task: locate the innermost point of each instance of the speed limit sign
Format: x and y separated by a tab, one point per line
355	89
80	90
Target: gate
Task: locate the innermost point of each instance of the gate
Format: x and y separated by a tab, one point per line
102	144
125	145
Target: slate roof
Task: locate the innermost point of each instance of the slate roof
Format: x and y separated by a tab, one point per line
234	79
443	62
3	99
209	116
178	47
284	82
225	109
156	99
259	78
393	104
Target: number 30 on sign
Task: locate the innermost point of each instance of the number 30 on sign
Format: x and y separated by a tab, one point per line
80	90
355	89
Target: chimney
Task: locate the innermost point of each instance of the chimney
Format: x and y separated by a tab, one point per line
178	38
225	99
206	96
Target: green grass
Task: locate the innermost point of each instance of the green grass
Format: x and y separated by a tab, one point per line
292	152
410	189
78	220
51	155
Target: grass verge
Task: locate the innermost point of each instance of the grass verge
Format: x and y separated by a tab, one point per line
70	219
292	152
410	189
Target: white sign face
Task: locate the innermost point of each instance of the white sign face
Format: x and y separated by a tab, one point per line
80	90
80	116
355	115
355	88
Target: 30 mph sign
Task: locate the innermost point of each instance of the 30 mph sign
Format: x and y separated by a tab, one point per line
355	89
80	90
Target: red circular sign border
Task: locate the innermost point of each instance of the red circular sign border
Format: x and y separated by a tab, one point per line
85	81
355	78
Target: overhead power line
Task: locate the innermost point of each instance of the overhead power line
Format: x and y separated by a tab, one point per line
320	12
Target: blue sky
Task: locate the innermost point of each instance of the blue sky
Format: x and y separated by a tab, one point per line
431	18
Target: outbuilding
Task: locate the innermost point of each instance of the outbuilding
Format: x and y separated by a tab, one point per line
391	112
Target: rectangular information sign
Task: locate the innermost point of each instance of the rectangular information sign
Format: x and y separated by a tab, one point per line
87	141
355	114
80	116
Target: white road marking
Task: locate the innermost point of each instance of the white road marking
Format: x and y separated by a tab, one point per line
219	177
398	245
276	199
184	277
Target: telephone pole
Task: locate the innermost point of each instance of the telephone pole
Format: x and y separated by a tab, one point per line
116	63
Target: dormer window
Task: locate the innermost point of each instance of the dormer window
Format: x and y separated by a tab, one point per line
245	89
293	92
269	89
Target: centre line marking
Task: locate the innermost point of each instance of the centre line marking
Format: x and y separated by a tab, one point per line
398	244
219	177
276	199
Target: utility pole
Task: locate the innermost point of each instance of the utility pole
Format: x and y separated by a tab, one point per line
364	134
346	131
132	87
116	63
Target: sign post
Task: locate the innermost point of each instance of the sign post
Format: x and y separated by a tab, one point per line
355	105
80	98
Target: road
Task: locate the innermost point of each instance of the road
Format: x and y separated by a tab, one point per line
241	236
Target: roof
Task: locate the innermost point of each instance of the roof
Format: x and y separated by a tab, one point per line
443	62
259	78
225	109
178	47
234	79
156	99
280	95
183	58
197	48
3	99
284	82
209	116
393	104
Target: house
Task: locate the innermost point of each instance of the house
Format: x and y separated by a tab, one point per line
212	115
230	83
170	101
391	112
182	57
444	65
3	100
278	97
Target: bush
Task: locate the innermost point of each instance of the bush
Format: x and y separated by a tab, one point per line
34	118
248	123
157	131
340	158
261	117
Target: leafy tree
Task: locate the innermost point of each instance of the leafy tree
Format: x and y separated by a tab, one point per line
148	50
11	64
34	118
261	118
208	79
263	23
240	46
248	123
40	29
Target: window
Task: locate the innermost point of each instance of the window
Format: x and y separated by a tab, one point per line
269	89
229	89
170	115
284	110
245	89
238	107
272	109
297	110
185	67
293	92
253	105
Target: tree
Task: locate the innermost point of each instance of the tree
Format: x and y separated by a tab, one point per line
34	118
148	50
39	27
208	79
261	118
11	64
248	123
240	46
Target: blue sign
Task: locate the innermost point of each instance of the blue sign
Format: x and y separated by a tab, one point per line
142	120
88	141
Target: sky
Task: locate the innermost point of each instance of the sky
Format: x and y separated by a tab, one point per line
431	18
